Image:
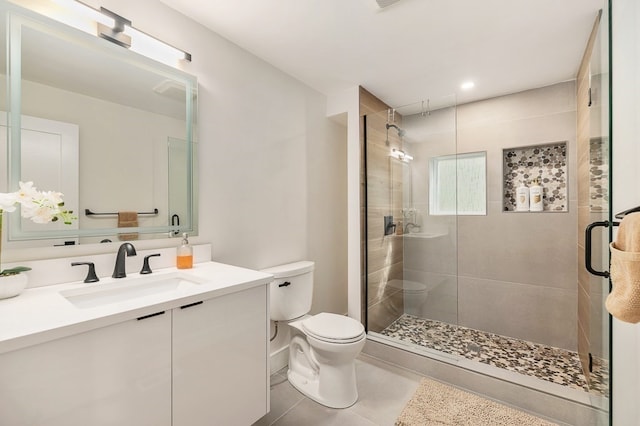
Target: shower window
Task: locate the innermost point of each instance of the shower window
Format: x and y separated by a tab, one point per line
458	184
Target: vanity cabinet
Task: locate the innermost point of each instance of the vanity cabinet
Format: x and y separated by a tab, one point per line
220	360
115	375
205	363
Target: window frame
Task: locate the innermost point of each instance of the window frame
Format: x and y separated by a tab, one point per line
435	186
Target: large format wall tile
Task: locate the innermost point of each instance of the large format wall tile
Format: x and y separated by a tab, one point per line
528	312
547	100
532	248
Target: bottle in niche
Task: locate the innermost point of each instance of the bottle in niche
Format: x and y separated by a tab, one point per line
522	198
536	196
184	257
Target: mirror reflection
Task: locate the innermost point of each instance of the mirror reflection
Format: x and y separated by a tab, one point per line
110	129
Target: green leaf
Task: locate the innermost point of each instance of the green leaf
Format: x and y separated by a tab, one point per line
14	271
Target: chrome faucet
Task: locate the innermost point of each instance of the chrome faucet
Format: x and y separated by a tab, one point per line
412	225
120	271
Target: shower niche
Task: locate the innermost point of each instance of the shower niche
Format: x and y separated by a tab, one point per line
545	162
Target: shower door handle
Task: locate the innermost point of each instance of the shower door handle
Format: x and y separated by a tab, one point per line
587	248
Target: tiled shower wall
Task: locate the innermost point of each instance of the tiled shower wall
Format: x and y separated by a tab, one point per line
384	194
517	272
599	174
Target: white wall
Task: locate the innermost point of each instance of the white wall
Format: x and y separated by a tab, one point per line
348	103
626	192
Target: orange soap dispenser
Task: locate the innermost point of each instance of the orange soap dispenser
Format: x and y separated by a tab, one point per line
184	258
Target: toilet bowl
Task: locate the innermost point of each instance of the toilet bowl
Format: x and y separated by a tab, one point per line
323	347
321	358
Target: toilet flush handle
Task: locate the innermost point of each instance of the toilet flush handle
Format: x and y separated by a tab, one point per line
284	284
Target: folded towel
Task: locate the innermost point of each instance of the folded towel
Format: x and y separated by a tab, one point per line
128	220
624	300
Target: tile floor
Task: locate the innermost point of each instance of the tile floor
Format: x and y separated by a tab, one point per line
383	391
543	362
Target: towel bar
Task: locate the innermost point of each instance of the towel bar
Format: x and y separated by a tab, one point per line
587	248
626	212
88	212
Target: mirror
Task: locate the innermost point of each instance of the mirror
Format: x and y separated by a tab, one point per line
109	128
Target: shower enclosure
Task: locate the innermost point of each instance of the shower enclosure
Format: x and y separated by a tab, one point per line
456	270
412	263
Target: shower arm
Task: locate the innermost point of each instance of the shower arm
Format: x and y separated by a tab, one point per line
401	132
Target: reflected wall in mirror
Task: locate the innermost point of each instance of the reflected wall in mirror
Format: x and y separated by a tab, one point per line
111	129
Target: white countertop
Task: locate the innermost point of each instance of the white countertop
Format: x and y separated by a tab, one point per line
42	314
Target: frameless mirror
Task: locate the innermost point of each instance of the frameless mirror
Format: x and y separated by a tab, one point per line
109	128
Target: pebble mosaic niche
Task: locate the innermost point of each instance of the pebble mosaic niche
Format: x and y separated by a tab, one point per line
548	162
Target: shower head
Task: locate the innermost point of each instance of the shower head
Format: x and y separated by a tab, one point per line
400	131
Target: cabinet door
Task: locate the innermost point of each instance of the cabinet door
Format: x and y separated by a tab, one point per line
220	360
116	375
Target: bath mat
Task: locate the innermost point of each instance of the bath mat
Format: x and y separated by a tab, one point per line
435	403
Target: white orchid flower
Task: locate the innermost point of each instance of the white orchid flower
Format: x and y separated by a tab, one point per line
40	207
8	202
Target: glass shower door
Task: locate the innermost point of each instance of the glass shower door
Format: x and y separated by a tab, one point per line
594	325
600	150
411	260
430	238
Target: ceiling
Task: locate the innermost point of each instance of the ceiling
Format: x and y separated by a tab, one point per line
413	50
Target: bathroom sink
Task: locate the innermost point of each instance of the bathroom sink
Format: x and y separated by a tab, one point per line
127	289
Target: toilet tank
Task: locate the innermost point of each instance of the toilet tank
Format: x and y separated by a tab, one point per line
291	290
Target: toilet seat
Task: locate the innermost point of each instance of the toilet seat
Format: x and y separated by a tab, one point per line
333	328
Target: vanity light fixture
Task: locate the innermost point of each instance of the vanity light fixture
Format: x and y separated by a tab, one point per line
79	9
117	29
115	33
150	46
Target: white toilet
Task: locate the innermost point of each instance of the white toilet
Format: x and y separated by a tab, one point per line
323	347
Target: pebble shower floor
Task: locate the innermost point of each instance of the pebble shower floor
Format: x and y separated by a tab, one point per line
543	362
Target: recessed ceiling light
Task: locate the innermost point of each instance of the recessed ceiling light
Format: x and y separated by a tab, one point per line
467	85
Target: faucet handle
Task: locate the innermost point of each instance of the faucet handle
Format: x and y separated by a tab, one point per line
146	269
91	274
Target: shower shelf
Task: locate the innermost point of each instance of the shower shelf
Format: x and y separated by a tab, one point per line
545	161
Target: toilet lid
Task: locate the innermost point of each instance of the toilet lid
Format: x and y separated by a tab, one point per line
333	328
